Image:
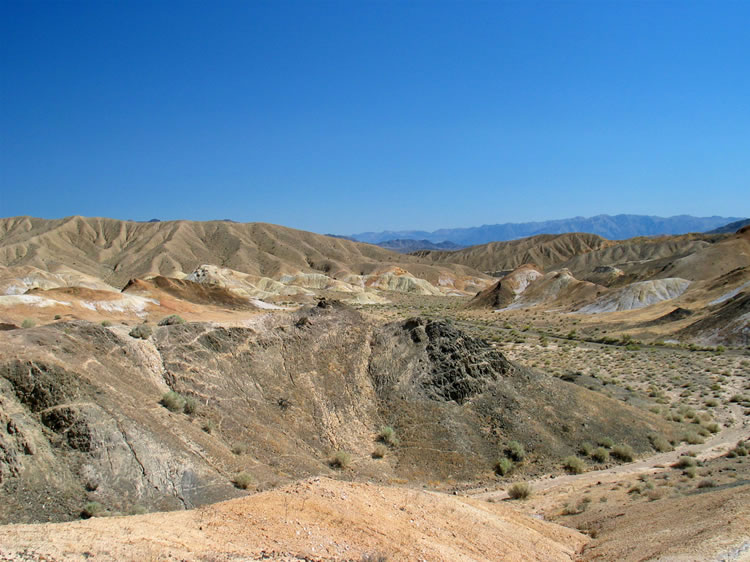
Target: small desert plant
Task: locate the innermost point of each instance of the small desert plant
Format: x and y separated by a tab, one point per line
503	466
173	401
586	449
623	452
208	426
379	452
340	459
520	491
659	443
706	483
92	509
684	462
606	442
713	427
58	317
239	449
106	323
242	480
191	405
141	331
387	435
28	323
693	438
600	454
171	320
574	465
515	451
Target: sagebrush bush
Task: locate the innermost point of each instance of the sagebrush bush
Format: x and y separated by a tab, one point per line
173	401
191	405
600	454
684	462
340	459
387	435
515	451
28	323
141	331
623	452
520	491
171	320
606	442
92	509
574	465
503	466
586	448
106	323
379	452
243	480
659	443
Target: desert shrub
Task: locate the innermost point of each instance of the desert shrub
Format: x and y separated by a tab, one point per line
28	323
520	491
340	459
706	483
574	465
141	331
659	443
379	452
58	317
503	466
171	320
606	442
191	405
106	323
586	448
239	449
600	454
242	480
623	452
713	427
173	401
208	426
690	471
515	451
92	509
693	438
684	462
387	435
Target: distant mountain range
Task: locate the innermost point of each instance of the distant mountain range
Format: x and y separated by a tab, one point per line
407	246
729	228
618	227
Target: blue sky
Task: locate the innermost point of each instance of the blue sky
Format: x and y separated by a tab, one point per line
352	116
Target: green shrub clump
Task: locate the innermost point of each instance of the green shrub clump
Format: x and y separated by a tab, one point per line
243	480
92	509
171	320
141	331
574	465
340	459
600	454
606	442
387	435
173	401
623	452
28	323
520	491
503	466
515	451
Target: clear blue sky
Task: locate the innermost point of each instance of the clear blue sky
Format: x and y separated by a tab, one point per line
350	116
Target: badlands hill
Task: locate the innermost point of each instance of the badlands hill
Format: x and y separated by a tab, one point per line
83	418
115	251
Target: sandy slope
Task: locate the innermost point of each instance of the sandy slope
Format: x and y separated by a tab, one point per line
318	519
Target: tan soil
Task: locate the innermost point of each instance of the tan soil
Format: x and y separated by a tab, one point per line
318	519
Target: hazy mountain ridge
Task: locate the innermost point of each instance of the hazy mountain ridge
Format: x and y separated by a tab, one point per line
617	227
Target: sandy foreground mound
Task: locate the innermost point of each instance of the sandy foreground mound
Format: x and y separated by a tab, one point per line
317	519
